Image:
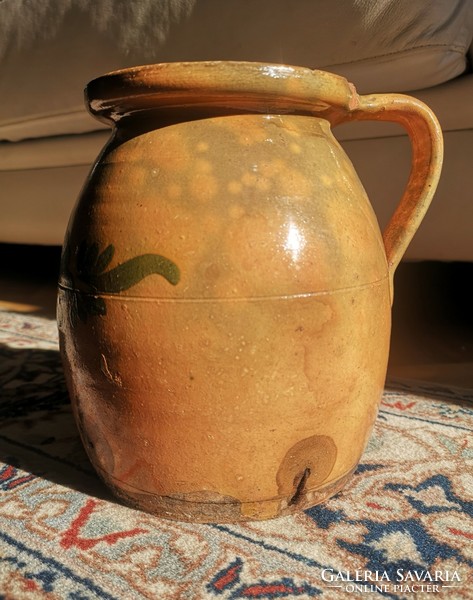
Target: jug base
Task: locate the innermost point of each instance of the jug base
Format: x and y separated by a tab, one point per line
208	507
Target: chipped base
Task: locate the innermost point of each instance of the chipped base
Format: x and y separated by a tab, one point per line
185	507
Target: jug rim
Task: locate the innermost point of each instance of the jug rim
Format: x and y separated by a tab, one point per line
240	86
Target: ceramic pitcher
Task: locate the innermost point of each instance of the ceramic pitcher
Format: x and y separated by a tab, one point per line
225	291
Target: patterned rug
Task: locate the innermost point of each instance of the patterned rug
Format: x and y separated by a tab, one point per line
402	527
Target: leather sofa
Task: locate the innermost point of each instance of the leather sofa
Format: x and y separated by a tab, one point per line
50	49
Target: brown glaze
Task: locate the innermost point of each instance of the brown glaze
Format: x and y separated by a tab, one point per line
224	299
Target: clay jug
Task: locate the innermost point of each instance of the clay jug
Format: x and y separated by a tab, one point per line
225	293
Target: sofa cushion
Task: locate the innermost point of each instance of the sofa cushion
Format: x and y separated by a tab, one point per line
50	49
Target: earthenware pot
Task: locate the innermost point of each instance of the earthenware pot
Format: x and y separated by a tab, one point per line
224	300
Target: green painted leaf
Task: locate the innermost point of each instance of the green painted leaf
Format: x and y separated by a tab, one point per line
131	272
105	258
91	270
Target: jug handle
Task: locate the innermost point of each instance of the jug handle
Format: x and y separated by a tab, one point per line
427	155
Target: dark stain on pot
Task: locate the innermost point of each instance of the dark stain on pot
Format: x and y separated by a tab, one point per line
194	507
306	466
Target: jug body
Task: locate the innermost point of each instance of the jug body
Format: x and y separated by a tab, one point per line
224	314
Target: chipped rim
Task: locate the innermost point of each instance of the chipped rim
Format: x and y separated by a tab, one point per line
224	85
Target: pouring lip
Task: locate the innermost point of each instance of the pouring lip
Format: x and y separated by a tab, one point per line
232	85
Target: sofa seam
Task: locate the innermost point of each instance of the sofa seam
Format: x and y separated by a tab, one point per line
454	49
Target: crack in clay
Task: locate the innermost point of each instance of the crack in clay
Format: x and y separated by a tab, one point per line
300	487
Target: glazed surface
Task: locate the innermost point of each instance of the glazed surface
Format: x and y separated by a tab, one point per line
225	291
227	313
